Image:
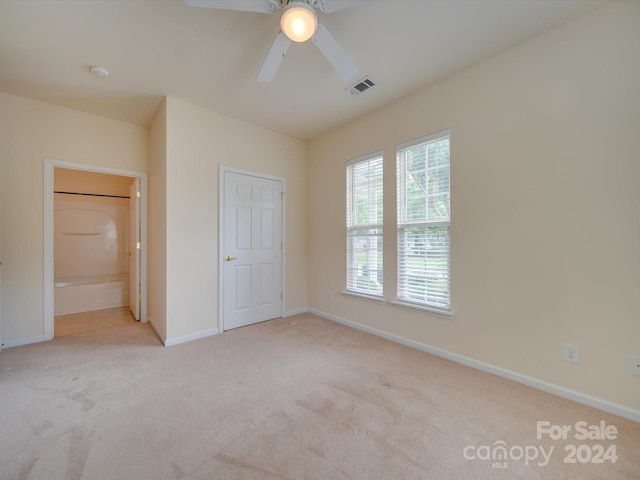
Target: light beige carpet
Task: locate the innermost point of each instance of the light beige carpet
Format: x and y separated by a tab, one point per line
295	398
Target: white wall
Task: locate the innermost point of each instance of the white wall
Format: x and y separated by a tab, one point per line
198	142
545	204
29	132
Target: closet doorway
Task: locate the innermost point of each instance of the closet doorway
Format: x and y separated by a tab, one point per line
95	242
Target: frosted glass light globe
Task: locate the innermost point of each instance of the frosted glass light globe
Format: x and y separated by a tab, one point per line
299	22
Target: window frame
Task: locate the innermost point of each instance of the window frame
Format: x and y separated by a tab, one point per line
402	224
352	227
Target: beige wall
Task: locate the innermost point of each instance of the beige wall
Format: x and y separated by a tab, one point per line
157	278
80	181
186	145
198	142
29	132
545	204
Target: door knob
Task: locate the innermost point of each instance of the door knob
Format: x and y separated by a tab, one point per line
228	259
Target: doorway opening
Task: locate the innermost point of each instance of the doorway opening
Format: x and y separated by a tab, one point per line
95	244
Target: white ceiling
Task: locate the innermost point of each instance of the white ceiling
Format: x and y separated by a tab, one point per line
157	48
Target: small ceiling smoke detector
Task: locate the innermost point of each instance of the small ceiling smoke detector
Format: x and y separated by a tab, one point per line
100	71
361	86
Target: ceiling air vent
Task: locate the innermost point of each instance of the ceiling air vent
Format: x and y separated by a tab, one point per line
362	86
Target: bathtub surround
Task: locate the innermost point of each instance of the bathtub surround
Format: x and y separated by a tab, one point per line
86	294
91	236
91	223
293	398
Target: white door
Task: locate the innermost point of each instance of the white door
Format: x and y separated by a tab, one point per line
134	248
251	250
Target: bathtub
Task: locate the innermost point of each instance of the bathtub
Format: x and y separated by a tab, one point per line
85	294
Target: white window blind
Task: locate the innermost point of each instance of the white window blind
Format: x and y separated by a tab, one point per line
424	247
364	225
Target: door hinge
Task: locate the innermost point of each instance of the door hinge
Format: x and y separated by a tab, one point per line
281	195
138	194
138	297
281	295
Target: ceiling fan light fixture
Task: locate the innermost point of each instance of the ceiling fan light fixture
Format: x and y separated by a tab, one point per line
299	21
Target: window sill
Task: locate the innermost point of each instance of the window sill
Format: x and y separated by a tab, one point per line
363	296
422	308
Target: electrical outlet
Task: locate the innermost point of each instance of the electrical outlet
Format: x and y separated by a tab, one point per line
634	361
571	353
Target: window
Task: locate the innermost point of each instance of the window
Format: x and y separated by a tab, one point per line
364	225
424	247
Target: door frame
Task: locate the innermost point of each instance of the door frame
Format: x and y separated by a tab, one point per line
221	191
49	165
135	254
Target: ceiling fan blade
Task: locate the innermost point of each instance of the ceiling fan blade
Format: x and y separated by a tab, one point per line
335	5
259	6
274	58
334	53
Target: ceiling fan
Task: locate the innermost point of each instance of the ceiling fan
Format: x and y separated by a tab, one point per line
298	23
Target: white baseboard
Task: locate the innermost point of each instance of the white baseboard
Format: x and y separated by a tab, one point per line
169	342
600	404
23	341
296	311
